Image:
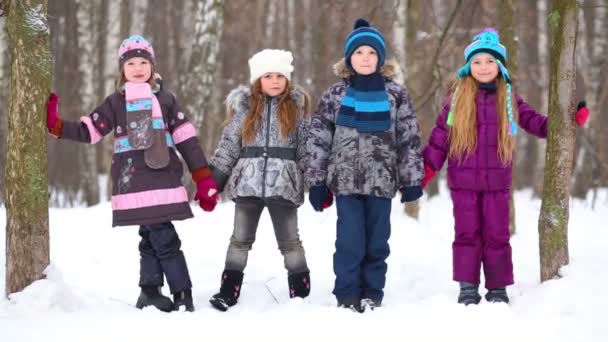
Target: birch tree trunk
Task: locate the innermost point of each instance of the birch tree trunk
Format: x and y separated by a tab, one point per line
198	86
553	220
399	34
543	47
87	65
27	229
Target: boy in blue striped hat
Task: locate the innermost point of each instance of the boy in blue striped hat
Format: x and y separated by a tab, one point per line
364	145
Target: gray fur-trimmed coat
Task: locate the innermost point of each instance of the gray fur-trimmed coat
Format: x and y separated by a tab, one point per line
377	163
262	177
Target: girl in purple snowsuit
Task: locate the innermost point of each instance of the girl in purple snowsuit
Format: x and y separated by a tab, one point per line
476	133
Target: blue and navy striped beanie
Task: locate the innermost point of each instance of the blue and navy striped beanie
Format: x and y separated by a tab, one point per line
364	34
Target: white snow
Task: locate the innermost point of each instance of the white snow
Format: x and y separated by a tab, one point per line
94	273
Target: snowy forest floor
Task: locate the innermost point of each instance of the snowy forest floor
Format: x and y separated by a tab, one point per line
92	283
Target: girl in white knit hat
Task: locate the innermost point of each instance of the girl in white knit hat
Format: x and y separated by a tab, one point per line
259	163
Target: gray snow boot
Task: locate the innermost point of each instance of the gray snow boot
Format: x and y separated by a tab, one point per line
469	293
498	295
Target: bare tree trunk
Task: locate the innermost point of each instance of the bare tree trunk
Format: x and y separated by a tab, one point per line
125	19
270	21
198	87
27	229
553	220
88	63
99	82
588	163
4	63
543	47
506	26
399	35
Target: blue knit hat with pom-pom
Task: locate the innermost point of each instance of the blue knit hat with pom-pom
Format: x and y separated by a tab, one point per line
364	34
487	41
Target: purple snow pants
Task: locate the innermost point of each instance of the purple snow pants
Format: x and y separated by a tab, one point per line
482	236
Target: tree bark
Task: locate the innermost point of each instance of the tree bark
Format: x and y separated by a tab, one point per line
198	86
553	220
508	36
27	230
3	110
88	64
543	47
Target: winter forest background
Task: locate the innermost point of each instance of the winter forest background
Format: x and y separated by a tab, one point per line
203	46
67	271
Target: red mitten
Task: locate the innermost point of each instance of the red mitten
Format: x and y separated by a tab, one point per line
206	193
428	175
53	120
582	113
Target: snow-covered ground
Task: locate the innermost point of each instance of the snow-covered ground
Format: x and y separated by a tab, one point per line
94	273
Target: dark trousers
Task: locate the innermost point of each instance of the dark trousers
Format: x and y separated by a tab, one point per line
284	216
160	254
363	230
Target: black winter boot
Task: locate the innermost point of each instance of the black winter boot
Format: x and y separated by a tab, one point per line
299	285
351	303
152	295
230	290
498	295
183	298
469	293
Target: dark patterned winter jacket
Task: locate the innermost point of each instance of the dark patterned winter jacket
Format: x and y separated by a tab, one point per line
141	195
270	166
377	163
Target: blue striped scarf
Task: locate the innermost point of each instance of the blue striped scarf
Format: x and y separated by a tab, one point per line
365	106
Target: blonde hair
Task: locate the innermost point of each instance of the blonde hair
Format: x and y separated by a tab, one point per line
463	129
288	112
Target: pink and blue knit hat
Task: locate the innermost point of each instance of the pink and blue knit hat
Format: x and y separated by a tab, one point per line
135	46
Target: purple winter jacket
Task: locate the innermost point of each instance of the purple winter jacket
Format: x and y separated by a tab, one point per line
482	170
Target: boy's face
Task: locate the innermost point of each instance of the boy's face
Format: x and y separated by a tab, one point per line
364	60
484	68
137	69
273	83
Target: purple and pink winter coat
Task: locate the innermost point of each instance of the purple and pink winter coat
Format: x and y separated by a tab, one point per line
482	170
141	195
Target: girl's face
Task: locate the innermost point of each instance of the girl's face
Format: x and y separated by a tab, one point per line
364	60
484	68
137	69
273	83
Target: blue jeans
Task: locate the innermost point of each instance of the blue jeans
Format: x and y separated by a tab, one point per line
363	230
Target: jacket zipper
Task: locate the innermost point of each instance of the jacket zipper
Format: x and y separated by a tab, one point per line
265	154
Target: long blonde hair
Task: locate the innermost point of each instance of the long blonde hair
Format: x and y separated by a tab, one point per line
463	131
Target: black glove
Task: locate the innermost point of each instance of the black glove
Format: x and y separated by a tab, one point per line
410	193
